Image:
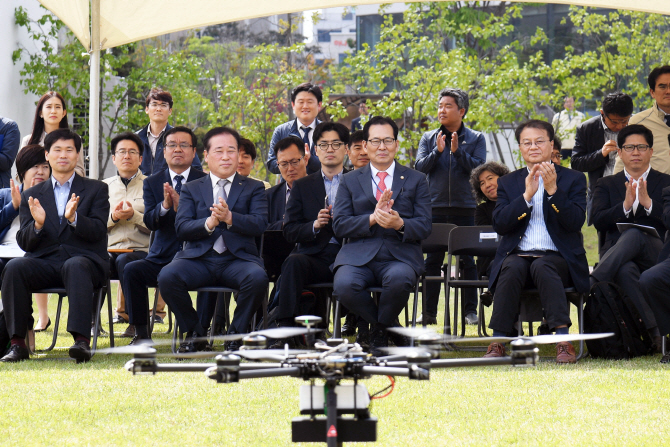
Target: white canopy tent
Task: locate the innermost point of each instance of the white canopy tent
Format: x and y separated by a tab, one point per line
117	22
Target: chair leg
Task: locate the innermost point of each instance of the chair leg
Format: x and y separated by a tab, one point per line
56	324
101	296
663	344
219	298
583	351
176	335
447	302
337	324
169	314
265	308
111	320
153	312
416	304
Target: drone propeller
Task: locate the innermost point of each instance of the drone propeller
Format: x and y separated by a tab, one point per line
131	349
274	333
430	335
269	354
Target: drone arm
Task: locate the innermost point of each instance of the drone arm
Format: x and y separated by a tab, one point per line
385	371
270	372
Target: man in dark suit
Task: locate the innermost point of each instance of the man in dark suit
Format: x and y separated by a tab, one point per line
595	143
219	218
292	159
308	223
159	108
356	122
306	102
64	234
539	214
384	210
161	202
633	196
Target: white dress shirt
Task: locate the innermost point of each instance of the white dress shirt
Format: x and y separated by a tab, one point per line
173	174
388	181
215	192
637	193
302	132
536	237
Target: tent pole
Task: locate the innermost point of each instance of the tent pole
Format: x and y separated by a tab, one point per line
94	100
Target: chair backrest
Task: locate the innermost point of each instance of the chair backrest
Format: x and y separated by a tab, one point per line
473	241
439	238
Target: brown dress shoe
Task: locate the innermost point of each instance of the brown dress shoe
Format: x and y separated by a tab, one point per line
565	352
129	332
495	350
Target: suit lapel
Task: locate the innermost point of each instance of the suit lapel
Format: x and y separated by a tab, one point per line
652	182
364	180
48	202
398	179
238	184
620	189
521	180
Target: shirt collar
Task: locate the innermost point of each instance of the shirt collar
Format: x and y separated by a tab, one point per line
390	170
300	125
339	175
661	110
54	182
602	120
216	179
644	176
129	179
174	174
459	132
159	133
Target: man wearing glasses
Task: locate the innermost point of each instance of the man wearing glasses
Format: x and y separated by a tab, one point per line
539	214
595	149
125	226
159	109
308	224
292	159
447	156
657	118
633	196
384	210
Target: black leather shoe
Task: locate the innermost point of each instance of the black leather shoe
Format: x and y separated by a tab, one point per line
158	319
80	351
233	345
426	319
15	354
193	343
349	326
378	339
137	341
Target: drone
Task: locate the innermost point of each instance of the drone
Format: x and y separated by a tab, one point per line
335	412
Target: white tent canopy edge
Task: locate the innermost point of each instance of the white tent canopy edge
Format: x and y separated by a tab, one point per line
117	22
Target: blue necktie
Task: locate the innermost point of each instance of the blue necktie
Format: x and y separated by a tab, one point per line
305	136
179	179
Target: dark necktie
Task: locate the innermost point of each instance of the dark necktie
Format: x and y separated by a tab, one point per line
667	120
178	179
219	244
305	136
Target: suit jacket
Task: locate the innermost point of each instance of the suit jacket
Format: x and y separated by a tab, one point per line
276	197
608	198
356	124
10	137
151	164
7	211
587	155
88	238
355	202
665	251
307	199
564	217
248	204
165	243
285	130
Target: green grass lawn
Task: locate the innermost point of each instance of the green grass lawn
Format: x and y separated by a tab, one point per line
51	401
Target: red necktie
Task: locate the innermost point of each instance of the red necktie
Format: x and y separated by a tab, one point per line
381	187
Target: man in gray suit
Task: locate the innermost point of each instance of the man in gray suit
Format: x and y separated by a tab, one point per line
384	209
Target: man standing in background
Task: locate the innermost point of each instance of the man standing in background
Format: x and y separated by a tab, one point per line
565	122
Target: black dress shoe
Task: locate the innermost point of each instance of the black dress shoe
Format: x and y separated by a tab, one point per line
45	327
193	343
16	354
378	339
349	326
80	351
158	319
232	345
119	320
137	341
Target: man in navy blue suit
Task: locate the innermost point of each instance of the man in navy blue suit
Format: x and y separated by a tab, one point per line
306	102
159	108
384	210
161	202
539	214
292	158
219	218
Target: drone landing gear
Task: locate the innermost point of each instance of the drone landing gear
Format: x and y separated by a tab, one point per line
335	429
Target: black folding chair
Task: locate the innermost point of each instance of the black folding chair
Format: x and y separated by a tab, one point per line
437	242
100	294
467	241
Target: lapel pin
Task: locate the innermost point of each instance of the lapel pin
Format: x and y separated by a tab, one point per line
402	177
240	183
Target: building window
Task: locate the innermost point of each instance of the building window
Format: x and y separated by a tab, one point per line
323	35
348	16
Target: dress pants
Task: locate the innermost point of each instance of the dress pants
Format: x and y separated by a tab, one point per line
623	263
22	276
655	287
212	269
549	274
396	278
117	262
299	270
434	262
137	276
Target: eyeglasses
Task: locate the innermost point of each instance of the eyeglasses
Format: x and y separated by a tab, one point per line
632	147
159	105
293	163
621	122
174	146
376	142
335	145
123	152
529	144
